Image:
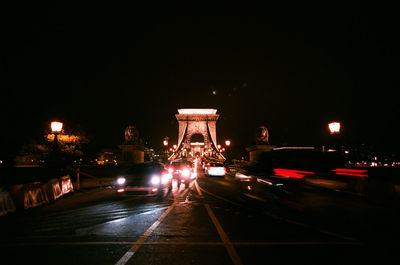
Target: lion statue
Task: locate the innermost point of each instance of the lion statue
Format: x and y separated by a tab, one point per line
262	135
131	135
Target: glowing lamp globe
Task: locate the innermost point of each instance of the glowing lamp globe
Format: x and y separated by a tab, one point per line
56	126
334	127
227	142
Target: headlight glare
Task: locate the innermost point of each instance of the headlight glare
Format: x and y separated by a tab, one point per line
121	180
155	180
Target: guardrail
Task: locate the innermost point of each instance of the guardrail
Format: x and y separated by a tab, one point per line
30	195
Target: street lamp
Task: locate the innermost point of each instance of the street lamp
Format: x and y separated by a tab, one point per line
334	127
56	128
228	142
165	142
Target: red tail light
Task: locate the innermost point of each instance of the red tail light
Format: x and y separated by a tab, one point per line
351	172
291	173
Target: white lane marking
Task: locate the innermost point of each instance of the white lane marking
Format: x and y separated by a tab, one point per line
224	237
128	255
282	218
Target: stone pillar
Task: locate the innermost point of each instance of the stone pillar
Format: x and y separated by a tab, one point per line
132	154
256	150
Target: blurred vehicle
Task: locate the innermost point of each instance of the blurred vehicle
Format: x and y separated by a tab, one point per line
290	167
215	169
182	171
146	179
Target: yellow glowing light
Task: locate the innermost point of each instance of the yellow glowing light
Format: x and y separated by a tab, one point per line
334	127
219	146
174	146
56	126
227	142
64	138
165	142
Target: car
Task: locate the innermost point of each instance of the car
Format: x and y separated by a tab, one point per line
303	168
145	179
182	171
215	169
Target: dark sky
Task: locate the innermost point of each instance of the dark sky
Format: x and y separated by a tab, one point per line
291	68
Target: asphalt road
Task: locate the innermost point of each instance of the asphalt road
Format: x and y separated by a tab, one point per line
214	221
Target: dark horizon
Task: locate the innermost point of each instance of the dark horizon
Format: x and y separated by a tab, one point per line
293	71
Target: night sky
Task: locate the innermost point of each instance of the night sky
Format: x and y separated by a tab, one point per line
291	68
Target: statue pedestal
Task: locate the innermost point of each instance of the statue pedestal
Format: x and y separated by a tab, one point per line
132	154
256	150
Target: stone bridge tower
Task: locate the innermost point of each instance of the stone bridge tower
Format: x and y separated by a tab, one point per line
197	131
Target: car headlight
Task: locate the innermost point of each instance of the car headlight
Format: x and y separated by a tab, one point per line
121	180
186	172
155	180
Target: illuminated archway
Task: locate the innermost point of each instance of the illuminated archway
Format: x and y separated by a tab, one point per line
197	131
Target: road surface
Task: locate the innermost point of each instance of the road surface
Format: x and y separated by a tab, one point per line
213	221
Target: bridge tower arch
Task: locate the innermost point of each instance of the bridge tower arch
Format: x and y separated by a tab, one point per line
197	132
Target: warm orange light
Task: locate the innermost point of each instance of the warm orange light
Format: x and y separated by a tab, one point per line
56	126
165	142
334	127
227	142
174	146
219	146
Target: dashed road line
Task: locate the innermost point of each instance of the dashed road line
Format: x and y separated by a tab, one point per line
128	255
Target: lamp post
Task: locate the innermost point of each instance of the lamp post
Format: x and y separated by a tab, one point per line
54	156
165	144
56	128
334	129
227	145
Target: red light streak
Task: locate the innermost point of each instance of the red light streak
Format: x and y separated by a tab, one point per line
351	172
291	173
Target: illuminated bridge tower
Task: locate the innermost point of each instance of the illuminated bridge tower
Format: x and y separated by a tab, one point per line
197	133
